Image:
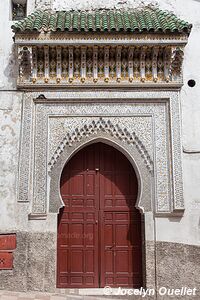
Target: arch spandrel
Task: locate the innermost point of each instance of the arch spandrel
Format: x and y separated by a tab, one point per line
109	128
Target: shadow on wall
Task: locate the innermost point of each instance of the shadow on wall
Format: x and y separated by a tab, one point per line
11	70
175	219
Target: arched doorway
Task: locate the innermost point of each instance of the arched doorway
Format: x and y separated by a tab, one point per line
99	229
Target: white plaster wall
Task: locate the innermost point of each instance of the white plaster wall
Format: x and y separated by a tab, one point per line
183	230
7	57
10	120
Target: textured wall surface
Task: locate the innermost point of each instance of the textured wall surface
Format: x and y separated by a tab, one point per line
34	264
10	117
178	266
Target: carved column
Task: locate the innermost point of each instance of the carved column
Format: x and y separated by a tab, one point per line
118	63
167	59
154	63
95	63
58	66
20	54
34	72
130	63
83	63
71	64
30	51
106	63
46	64
142	63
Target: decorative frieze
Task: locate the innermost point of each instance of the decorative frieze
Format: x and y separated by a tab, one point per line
97	65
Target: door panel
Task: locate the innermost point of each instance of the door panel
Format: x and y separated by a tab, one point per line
77	244
99	229
118	181
121	259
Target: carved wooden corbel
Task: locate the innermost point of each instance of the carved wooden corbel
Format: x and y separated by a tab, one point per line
106	64
46	64
34	56
71	64
83	64
58	67
130	63
118	63
95	64
154	64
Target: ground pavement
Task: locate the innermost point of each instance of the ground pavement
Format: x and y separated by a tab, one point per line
8	295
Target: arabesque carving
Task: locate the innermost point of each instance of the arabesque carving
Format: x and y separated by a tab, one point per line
106	126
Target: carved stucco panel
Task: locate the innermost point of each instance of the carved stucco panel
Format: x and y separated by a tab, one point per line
37	138
25	150
60	126
130	129
176	153
159	142
40	162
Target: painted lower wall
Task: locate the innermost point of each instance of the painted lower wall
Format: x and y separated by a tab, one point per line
177	265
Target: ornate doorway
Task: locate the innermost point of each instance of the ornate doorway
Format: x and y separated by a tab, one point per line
99	229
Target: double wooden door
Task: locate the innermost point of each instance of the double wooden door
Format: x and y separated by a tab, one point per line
99	229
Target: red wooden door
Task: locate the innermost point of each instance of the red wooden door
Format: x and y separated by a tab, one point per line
99	229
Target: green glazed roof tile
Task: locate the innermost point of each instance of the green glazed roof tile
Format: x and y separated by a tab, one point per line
134	22
142	23
60	20
97	24
119	21
82	21
29	23
52	22
126	21
75	21
67	22
111	20
90	22
104	21
45	21
146	19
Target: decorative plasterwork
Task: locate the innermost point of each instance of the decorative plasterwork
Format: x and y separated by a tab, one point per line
106	126
64	39
162	190
99	65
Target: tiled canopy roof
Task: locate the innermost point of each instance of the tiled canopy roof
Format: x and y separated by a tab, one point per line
138	20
